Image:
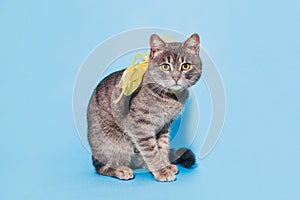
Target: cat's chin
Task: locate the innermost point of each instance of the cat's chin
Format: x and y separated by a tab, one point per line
176	87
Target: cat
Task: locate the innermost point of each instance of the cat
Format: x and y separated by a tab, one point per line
134	133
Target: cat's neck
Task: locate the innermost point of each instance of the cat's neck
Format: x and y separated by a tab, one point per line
178	95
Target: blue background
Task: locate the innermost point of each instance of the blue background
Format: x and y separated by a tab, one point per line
255	45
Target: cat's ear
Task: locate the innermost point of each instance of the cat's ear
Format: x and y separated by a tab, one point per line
156	44
192	43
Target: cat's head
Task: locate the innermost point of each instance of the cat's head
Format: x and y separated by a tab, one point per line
176	65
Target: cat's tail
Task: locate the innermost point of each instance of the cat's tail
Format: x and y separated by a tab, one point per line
182	156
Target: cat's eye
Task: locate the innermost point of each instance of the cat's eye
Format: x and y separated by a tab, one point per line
185	66
165	67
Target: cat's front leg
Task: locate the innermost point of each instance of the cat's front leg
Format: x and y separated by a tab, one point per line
148	147
163	142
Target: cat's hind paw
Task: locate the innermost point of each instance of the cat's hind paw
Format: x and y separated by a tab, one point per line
124	173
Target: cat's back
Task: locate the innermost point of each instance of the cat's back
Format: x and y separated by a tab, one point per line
102	95
109	82
101	121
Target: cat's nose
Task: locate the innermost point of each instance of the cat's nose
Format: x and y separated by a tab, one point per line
176	79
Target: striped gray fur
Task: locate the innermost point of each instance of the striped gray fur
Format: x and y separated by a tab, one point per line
134	133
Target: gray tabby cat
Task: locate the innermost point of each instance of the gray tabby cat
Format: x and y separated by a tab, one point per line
134	133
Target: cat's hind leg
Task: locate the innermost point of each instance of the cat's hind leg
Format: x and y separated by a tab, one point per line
121	172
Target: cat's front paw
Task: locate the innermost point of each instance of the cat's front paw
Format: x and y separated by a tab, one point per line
164	175
173	168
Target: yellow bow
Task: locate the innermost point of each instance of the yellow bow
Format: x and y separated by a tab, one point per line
133	75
